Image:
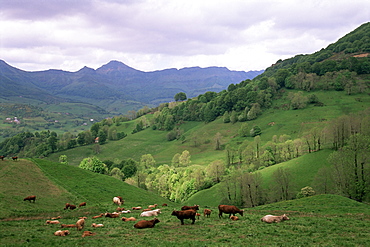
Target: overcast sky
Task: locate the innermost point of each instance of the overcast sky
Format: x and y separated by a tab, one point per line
153	35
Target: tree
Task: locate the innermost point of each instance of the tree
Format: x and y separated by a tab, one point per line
147	161
217	139
93	164
216	170
255	131
306	192
180	96
184	158
351	168
243	130
63	159
281	186
117	173
129	168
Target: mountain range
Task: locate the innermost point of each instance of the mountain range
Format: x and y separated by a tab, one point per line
114	87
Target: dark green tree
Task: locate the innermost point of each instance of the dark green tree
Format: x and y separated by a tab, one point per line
180	96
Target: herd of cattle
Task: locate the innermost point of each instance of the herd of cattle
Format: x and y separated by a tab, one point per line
186	212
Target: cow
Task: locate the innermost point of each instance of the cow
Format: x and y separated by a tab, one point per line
152	206
151	213
227	209
68	226
146	223
185	214
164	205
195	207
15	158
88	233
82	204
61	233
2	157
56	218
80	224
98	216
118	209
137	208
234	218
271	218
96	225
118	200
54	222
112	215
128	219
30	198
70	206
207	212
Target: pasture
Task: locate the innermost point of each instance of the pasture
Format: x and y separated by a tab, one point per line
322	220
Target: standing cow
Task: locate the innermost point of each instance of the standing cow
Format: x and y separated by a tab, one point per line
227	209
185	214
30	198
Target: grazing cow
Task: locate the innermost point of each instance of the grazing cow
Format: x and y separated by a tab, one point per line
68	225
151	213
61	233
48	222
164	205
80	224
271	218
195	207
70	206
137	208
15	158
112	215
231	210
152	206
118	200
96	225
128	219
234	218
207	212
82	204
185	214
146	223
98	216
2	157
30	198
198	215
88	233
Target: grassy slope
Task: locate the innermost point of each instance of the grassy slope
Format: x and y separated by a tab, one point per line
55	184
303	170
315	221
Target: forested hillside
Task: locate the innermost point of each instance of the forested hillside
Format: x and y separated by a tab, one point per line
299	106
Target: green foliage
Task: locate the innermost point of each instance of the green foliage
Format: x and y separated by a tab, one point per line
93	164
180	96
305	192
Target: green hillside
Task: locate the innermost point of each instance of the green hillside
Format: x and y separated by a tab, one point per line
321	220
55	184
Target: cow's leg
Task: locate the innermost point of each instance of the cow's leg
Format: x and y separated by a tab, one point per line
193	220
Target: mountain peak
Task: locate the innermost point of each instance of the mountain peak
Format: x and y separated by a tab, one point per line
115	66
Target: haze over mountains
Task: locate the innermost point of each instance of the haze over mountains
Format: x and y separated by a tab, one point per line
115	87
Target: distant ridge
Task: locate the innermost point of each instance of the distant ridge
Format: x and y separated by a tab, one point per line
115	86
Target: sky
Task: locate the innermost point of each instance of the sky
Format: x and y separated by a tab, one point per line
151	35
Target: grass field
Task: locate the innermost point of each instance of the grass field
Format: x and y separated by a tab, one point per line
322	220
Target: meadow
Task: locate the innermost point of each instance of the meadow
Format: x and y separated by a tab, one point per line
321	220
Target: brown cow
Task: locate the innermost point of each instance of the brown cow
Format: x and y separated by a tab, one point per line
146	223
14	158
88	233
68	225
70	206
207	212
82	204
185	214
2	157
111	215
98	216
231	210
52	222
135	208
195	207
30	198
128	219
234	218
